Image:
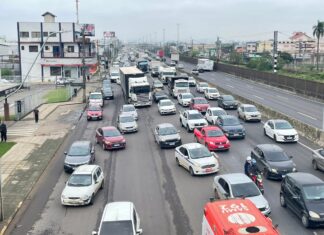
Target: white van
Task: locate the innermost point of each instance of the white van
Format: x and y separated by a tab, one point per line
95	98
119	218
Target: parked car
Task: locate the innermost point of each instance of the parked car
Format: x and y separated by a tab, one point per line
212	114
166	106
248	112
200	104
126	123
157	85
159	95
197	159
239	185
119	218
166	135
129	109
179	66
201	87
94	112
82	186
184	99
95	98
107	93
212	137
318	159
81	152
195	72
192	81
272	161
110	138
211	93
231	126
303	193
280	131
227	102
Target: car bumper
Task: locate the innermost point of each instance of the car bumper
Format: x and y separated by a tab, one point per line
230	106
115	145
316	221
75	202
192	84
173	111
170	144
285	139
129	130
279	174
215	147
235	135
94	117
207	171
109	97
185	104
212	97
143	104
71	168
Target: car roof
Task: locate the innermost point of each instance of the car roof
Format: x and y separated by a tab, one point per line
227	116
109	128
278	120
81	142
125	115
118	211
192	145
269	147
227	96
85	169
165	100
236	178
303	178
215	108
192	111
203	83
163	125
198	98
247	105
128	105
186	93
209	128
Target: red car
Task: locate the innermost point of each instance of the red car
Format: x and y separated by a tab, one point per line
199	103
212	137
94	112
110	138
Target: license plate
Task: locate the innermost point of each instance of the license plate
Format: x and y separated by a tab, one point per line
116	145
172	143
231	106
289	138
236	134
209	170
221	146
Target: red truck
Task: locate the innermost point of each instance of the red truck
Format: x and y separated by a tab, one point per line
200	104
212	137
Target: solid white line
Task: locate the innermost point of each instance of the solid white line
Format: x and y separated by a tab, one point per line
258	97
307	115
305	146
230	86
282	97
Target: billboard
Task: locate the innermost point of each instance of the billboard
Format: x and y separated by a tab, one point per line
87	29
109	34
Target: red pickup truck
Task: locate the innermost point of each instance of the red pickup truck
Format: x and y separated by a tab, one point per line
212	137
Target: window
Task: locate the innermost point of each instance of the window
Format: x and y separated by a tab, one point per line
70	48
45	34
35	34
55	71
95	178
33	48
46	48
52	34
24	34
22	48
98	172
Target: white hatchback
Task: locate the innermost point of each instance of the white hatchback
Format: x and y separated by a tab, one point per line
184	99
129	109
166	106
211	93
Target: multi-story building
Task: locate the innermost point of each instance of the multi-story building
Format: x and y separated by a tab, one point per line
298	45
60	49
265	46
251	47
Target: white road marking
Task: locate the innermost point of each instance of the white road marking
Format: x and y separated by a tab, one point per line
66	112
282	97
249	86
307	115
230	86
258	97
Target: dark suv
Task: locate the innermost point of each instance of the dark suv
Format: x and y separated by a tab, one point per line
303	193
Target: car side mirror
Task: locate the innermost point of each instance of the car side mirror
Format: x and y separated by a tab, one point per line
215	155
226	194
92	151
290	157
65	153
139	231
94	233
296	197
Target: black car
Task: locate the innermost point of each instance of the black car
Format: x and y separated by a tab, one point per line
227	102
273	161
159	95
303	193
231	126
107	93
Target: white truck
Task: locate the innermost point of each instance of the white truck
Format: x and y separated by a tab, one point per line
178	84
154	67
191	119
114	74
175	57
165	72
205	65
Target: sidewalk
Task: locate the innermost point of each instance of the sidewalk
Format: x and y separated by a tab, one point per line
36	144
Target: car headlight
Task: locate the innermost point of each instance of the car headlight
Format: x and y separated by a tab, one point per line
227	141
278	134
211	142
107	142
63	196
314	215
274	170
294	169
123	141
267	206
85	197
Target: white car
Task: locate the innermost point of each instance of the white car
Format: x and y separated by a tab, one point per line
126	123
191	119
179	66
191	81
96	98
82	186
213	113
129	109
119	218
166	106
211	93
201	86
184	99
197	159
280	131
248	112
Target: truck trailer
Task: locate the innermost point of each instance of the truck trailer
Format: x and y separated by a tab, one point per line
178	84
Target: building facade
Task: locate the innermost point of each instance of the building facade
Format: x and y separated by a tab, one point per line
60	49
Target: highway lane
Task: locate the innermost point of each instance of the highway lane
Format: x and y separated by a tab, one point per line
304	109
168	199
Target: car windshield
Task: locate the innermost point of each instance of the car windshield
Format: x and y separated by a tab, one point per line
283	125
214	133
95	96
79	150
168	131
212	90
187	96
200	152
182	84
124	119
111	133
114	74
79	180
219	112
128	108
166	103
314	192
141	89
231	121
201	101
94	108
157	83
250	109
203	84
168	73
228	97
121	227
195	116
245	190
276	156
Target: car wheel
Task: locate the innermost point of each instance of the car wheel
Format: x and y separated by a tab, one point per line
216	194
103	146
244	118
196	139
188	129
192	173
102	184
305	221
314	164
97	142
91	199
177	161
275	138
266	173
282	200
181	122
264	132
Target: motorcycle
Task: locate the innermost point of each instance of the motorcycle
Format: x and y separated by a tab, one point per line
257	179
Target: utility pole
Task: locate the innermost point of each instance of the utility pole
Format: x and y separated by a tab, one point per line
1	200
77	10
84	66
275	51
178	32
163	37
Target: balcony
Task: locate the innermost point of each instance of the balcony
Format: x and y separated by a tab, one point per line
69	55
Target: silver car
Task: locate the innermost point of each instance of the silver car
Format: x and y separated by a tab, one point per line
126	123
238	185
129	109
318	159
248	112
166	135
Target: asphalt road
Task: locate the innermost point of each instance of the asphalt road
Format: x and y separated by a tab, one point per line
306	110
168	199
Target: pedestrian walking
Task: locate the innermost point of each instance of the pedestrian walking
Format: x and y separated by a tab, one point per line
3	130
88	77
36	114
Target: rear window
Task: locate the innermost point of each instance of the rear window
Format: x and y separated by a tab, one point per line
117	228
95	96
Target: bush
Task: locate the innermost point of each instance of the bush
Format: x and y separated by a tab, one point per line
6	72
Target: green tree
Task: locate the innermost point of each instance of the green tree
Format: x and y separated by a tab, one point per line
286	57
235	58
318	31
6	72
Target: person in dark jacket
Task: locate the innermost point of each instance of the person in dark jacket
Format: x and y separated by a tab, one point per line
3	131
248	166
36	114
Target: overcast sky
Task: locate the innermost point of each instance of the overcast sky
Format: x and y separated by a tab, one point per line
201	20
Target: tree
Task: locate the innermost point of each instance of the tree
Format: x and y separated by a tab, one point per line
286	57
236	58
6	72
318	31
